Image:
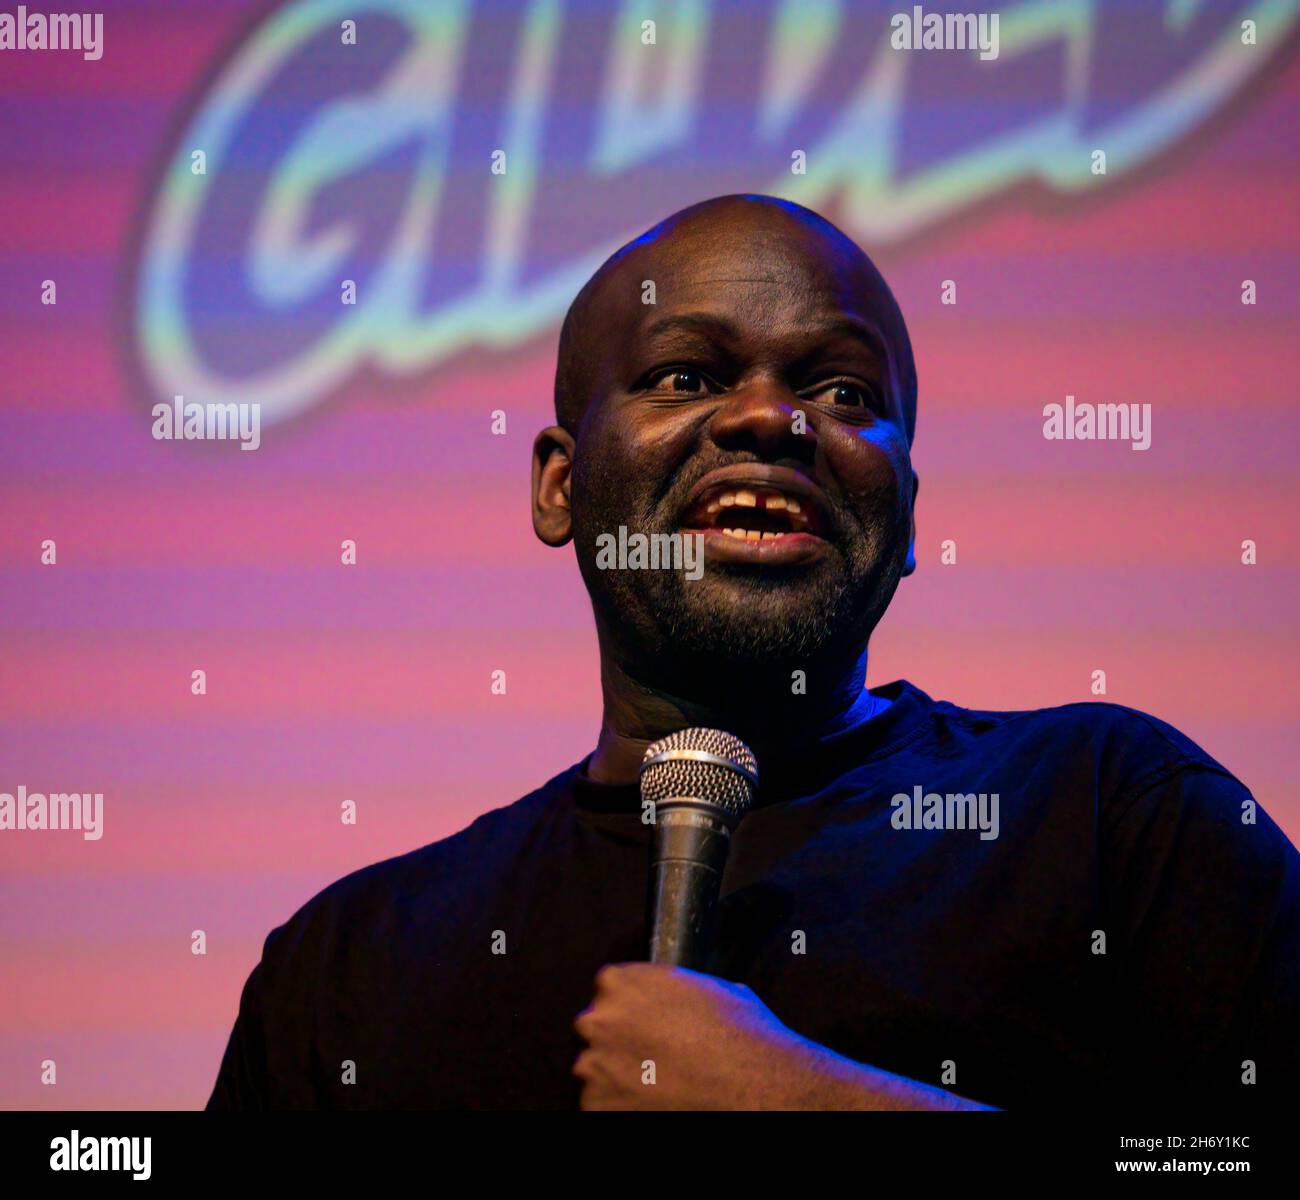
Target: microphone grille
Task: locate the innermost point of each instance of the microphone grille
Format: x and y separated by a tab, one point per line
705	764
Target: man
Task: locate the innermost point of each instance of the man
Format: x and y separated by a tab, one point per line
1110	916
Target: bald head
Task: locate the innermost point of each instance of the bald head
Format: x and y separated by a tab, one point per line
709	246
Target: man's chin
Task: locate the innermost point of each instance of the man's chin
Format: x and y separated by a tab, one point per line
734	616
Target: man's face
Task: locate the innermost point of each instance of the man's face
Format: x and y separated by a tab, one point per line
692	428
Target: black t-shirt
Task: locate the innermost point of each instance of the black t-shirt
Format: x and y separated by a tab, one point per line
1132	930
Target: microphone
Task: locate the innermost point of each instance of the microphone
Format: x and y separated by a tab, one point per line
701	782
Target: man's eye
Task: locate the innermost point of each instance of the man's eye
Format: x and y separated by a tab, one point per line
679	379
845	393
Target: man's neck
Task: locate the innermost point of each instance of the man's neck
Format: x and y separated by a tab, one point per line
775	714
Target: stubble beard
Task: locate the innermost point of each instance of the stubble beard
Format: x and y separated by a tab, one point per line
740	620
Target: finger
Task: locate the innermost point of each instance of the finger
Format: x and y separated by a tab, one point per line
586	1023
611	975
584	1065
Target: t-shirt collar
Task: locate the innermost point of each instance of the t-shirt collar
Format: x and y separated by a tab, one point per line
805	772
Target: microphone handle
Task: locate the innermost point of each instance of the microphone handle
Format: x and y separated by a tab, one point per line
690	851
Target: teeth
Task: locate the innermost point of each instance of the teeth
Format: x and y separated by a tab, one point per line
759	498
752	535
747	499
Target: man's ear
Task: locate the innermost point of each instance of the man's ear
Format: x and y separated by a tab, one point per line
552	471
910	565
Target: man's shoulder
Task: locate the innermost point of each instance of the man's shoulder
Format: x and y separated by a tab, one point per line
384	899
1130	750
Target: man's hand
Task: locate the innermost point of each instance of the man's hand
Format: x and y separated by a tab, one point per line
666	1038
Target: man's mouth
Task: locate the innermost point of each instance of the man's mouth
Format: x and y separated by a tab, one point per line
772	515
751	514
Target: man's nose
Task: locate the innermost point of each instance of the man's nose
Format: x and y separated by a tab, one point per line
766	418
